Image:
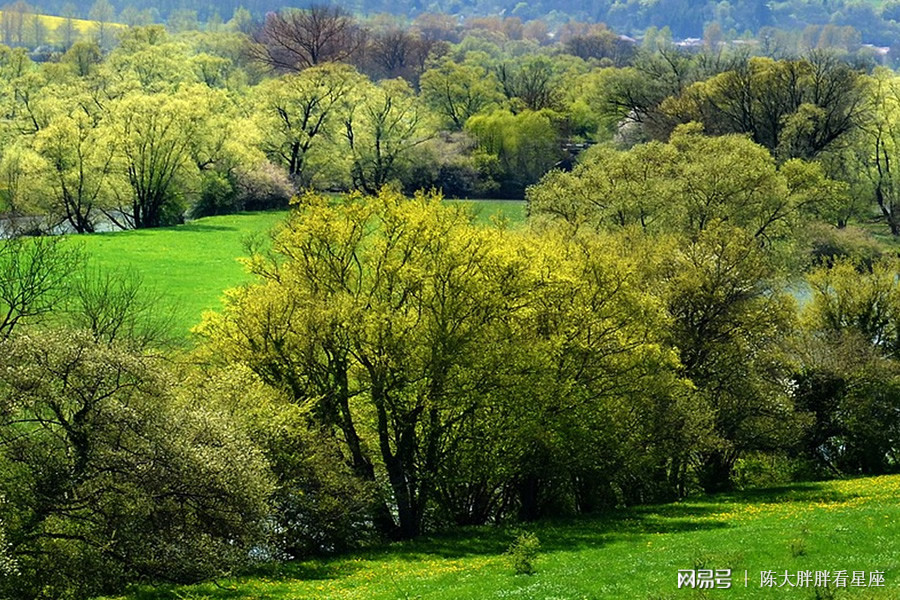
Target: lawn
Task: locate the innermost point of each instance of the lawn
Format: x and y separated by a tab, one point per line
850	525
190	265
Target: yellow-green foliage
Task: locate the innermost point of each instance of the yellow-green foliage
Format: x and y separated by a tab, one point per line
683	186
381	314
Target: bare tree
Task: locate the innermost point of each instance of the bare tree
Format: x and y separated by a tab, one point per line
396	52
293	40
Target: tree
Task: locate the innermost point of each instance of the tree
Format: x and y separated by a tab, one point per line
533	81
862	302
13	22
301	112
730	322
115	307
155	134
293	40
22	186
394	51
456	92
847	375
878	148
685	186
79	156
422	340
795	108
67	32
148	59
515	149
601	43
723	219
107	477
362	336
34	278
83	56
381	130
36	31
102	13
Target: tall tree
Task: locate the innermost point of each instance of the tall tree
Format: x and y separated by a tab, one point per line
103	13
154	134
458	91
34	279
301	112
294	39
381	129
79	155
879	146
795	108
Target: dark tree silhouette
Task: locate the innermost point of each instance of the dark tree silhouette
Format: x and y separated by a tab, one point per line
293	40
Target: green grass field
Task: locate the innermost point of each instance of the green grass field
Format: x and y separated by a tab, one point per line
851	525
187	266
190	266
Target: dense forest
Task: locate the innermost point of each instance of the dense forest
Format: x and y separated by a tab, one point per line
704	295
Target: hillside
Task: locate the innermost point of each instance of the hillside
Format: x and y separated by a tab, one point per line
876	20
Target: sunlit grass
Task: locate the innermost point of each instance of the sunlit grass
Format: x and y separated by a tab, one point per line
82	26
189	266
848	525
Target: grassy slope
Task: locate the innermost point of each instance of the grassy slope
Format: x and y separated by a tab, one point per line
190	265
83	26
634	554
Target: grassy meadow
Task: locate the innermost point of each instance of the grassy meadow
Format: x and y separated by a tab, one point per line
190	265
850	525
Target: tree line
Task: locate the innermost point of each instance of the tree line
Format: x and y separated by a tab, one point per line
878	21
174	126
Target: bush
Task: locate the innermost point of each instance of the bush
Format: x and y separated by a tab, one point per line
320	507
119	480
762	470
828	244
261	187
523	552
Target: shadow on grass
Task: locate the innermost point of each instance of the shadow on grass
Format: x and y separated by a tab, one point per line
568	534
799	492
557	534
618	525
195	227
313	570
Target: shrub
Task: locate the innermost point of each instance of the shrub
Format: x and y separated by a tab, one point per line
120	480
523	552
827	244
762	470
319	505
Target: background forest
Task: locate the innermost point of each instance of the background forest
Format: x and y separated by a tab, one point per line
703	296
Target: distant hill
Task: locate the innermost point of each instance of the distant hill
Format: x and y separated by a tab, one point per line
877	21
